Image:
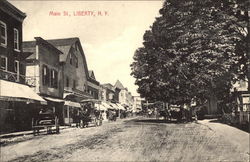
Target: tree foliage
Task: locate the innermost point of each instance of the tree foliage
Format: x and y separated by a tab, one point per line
194	49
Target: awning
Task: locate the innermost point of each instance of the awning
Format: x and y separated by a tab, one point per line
73	104
114	106
91	100
106	105
120	106
53	99
10	91
101	106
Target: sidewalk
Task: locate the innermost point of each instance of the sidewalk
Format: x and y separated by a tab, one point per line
23	133
234	135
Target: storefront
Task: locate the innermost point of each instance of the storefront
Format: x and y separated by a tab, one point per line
18	105
56	105
70	112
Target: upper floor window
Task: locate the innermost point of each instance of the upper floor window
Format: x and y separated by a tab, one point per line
16	39
45	75
54	78
16	67
3	34
3	63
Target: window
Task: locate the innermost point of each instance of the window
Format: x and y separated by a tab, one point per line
16	39
16	67
54	78
67	81
45	74
3	63
3	34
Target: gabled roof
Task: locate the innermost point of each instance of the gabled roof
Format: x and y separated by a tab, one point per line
64	45
109	86
119	85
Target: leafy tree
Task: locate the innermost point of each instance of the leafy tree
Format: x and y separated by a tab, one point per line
194	49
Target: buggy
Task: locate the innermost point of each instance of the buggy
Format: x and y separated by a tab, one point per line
48	121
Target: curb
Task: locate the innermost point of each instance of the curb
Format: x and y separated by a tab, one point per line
17	134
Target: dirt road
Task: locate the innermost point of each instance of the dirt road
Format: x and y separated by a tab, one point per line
128	140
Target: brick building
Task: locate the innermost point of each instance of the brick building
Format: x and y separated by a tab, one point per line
18	101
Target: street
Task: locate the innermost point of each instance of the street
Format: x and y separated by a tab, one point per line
137	139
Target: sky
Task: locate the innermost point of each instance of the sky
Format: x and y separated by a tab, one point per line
109	39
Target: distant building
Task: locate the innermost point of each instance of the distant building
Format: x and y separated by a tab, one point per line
125	97
93	85
110	92
137	105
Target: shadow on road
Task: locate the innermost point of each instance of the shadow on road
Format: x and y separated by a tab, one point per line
155	121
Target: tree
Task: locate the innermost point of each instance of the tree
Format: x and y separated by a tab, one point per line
189	49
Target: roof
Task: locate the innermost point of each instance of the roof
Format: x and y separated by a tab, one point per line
10	9
30	47
109	86
119	85
64	45
91	74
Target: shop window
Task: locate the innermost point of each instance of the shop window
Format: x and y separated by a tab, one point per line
3	63
16	39
3	34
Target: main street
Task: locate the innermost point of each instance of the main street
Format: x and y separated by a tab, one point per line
137	139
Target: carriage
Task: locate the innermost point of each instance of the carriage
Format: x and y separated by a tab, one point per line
90	119
90	116
45	120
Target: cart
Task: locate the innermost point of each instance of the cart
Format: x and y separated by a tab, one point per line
48	121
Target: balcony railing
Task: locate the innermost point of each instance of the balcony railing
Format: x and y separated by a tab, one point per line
14	77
